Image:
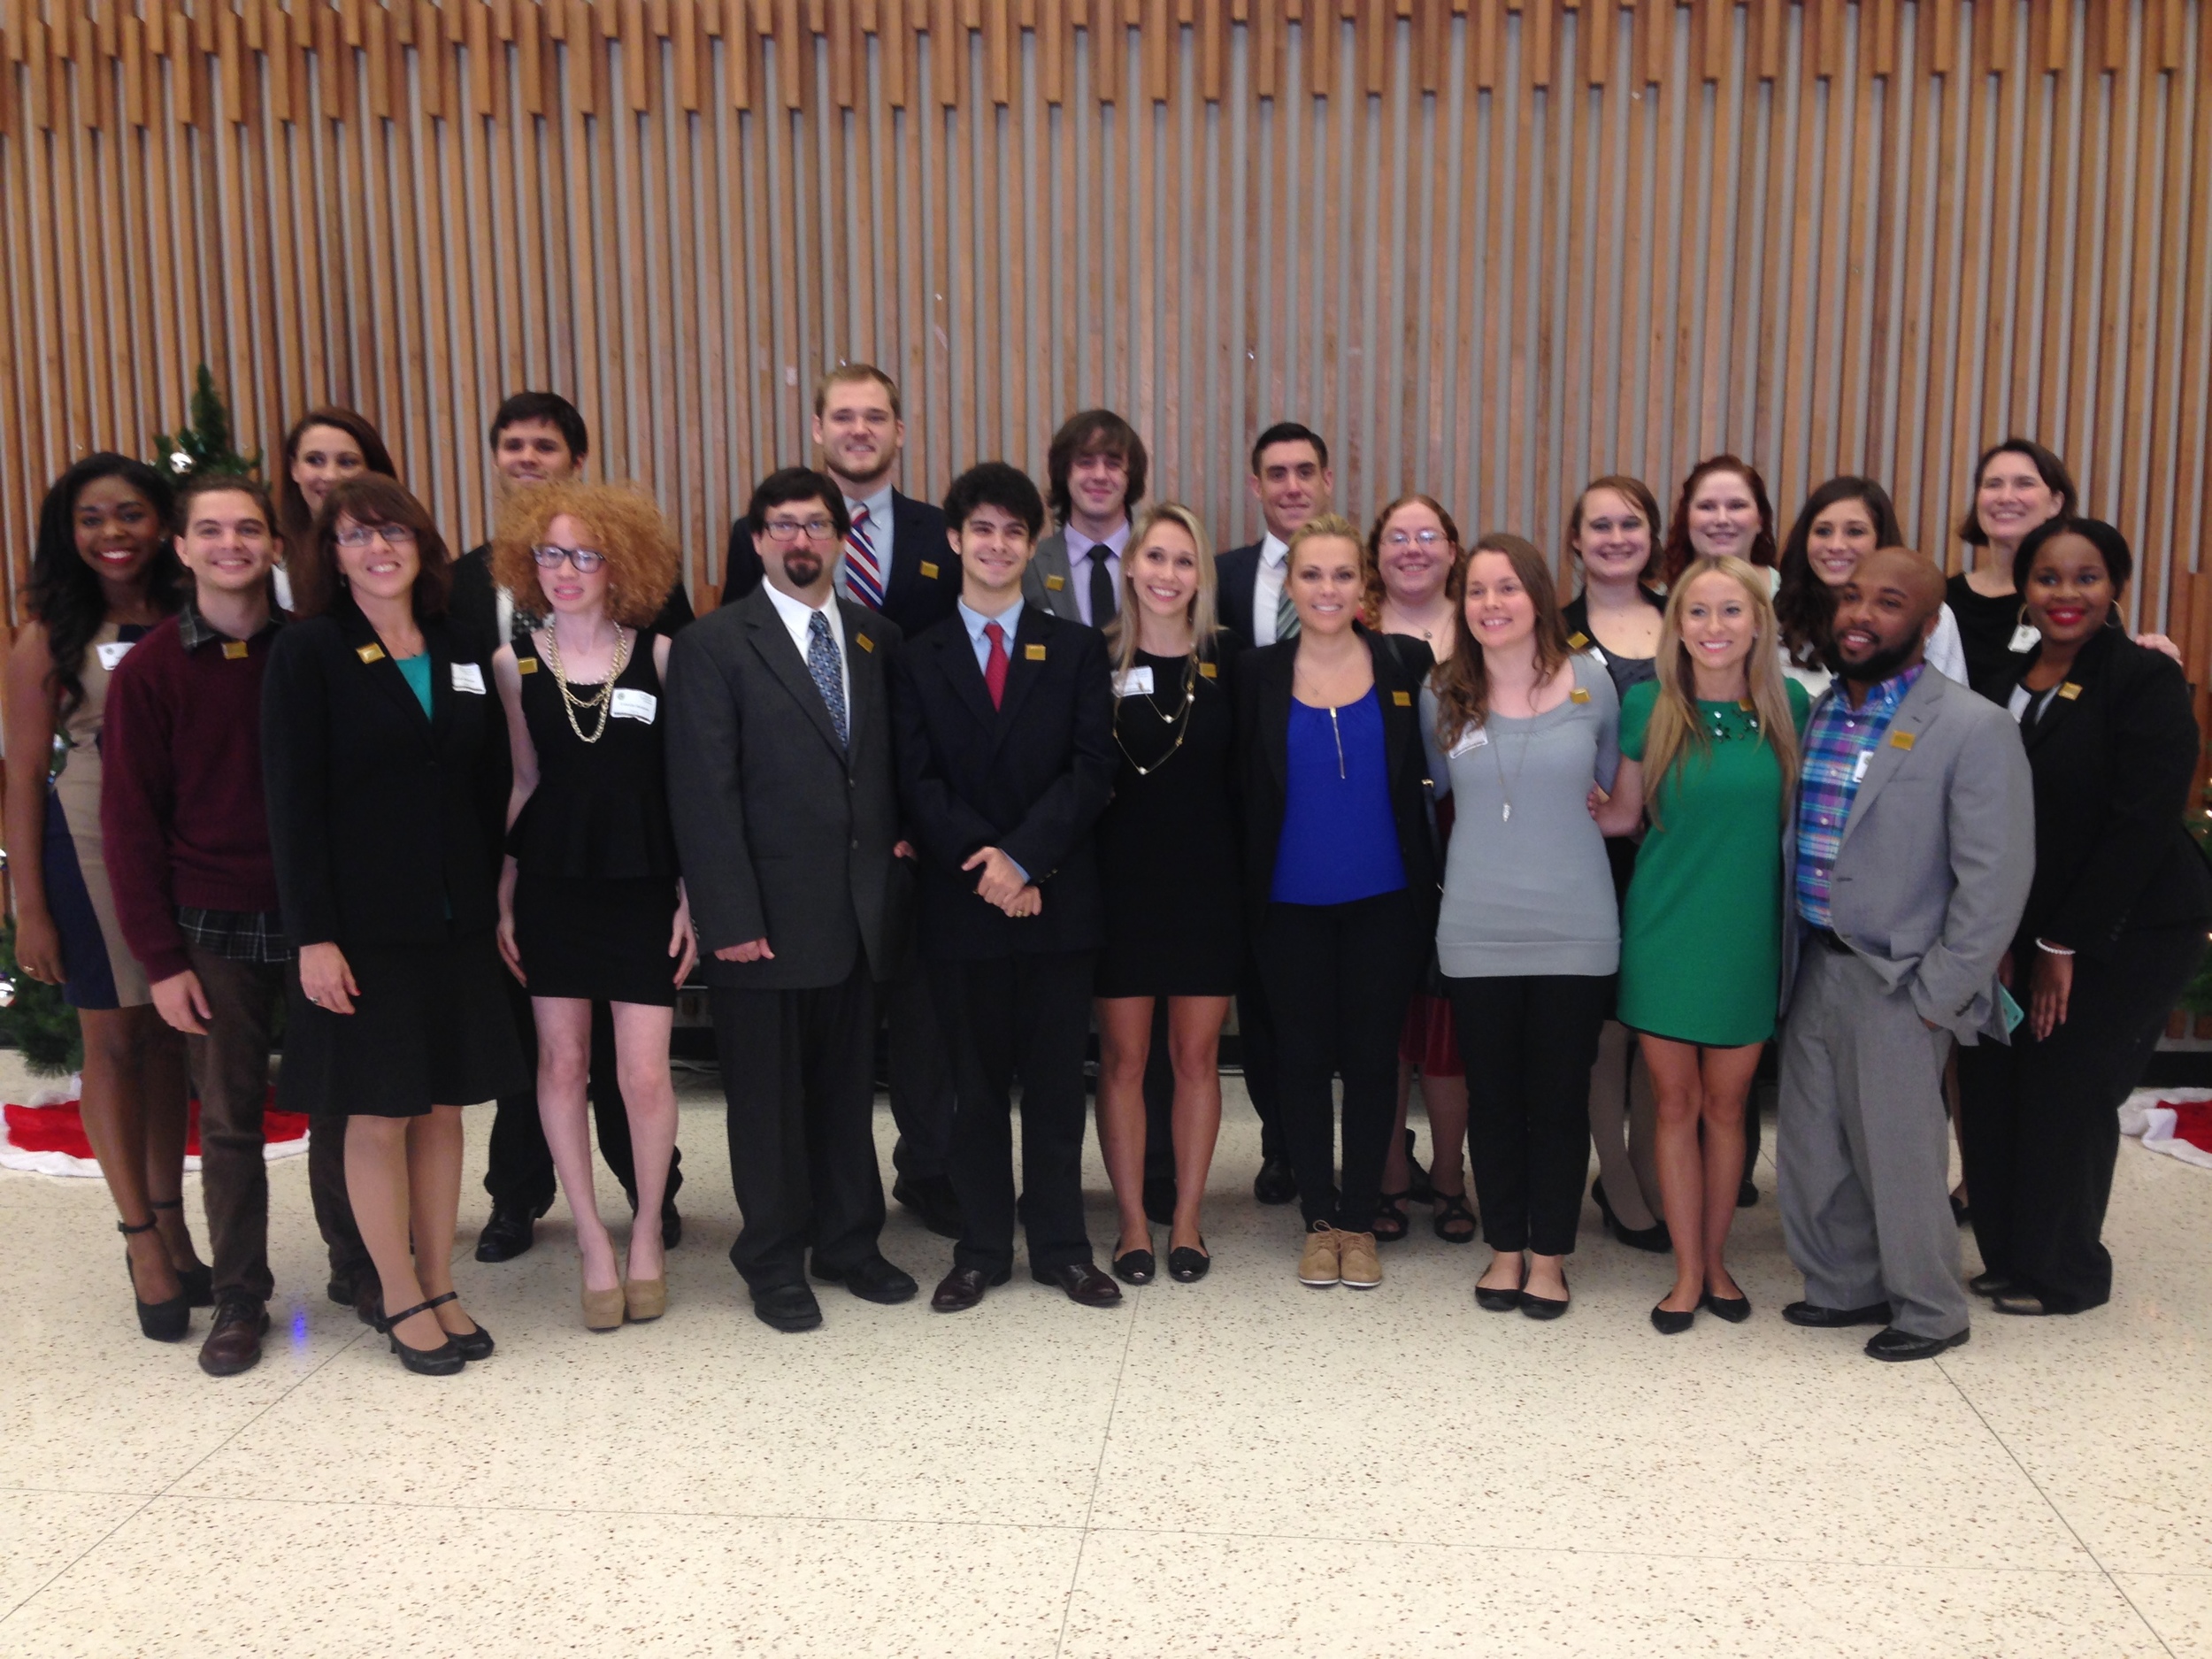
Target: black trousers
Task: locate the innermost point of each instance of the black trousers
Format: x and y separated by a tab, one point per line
921	1076
1339	980
2040	1126
1025	1017
1530	1042
798	1077
518	1170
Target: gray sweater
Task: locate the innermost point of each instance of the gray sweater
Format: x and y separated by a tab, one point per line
1530	893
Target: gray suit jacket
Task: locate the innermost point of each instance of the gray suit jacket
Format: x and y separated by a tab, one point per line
1048	581
784	834
1936	859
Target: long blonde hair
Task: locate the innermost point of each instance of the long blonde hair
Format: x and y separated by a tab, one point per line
1675	728
1122	632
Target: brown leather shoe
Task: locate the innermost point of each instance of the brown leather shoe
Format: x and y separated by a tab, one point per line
962	1288
233	1343
1085	1285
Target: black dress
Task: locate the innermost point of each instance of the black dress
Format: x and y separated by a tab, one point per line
596	855
1986	628
1167	844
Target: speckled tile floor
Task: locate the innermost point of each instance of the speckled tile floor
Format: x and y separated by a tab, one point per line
1238	1467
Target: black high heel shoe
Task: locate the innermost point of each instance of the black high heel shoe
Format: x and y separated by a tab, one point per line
445	1360
198	1282
1188	1266
1654	1239
158	1321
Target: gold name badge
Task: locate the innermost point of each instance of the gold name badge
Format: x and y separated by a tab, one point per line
1578	640
863	642
1901	740
1034	653
234	650
1403	699
370	653
2070	690
929	571
525	665
1206	671
1578	695
1055	583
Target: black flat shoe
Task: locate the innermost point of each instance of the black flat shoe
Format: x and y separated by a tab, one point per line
1492	1301
1895	1345
1735	1309
1669	1323
445	1360
1135	1267
1451	1210
1542	1307
1990	1284
1188	1266
1276	1183
158	1321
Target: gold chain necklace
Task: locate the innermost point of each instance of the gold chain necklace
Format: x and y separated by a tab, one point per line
1181	721
570	701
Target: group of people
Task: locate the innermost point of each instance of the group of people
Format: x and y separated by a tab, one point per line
461	826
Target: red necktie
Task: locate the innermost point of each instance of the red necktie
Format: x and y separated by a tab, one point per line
995	665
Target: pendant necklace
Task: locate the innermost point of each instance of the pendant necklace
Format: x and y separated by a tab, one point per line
1181	721
1504	789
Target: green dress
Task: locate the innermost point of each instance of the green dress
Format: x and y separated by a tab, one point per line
1701	935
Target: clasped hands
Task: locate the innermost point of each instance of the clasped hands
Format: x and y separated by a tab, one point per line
1001	884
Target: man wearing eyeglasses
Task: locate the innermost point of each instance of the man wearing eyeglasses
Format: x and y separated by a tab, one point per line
781	788
541	438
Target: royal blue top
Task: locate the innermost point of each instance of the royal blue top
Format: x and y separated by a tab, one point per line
1339	841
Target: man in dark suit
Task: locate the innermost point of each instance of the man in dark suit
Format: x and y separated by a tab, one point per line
1006	758
781	788
536	438
894	561
1094	477
1292	482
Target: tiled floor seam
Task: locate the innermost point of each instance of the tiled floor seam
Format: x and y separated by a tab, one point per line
2120	1589
1098	1474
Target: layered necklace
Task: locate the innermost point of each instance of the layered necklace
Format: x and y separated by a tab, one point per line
1180	720
602	702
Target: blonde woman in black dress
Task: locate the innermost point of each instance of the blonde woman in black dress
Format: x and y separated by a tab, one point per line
590	907
1167	857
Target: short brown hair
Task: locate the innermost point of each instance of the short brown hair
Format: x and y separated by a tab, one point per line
1638	495
371	499
851	373
1370	560
1094	432
625	524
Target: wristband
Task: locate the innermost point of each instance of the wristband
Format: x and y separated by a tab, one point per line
2056	950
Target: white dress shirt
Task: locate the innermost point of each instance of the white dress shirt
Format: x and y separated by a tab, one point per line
1079	566
798	616
1267	588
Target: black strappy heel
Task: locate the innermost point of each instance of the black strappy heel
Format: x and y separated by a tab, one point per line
445	1360
159	1321
198	1282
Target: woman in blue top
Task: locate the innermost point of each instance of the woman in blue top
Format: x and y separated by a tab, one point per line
1341	880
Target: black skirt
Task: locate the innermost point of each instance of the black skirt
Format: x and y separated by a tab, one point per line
432	1027
597	941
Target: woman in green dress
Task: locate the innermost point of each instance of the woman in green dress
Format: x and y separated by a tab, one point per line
1710	747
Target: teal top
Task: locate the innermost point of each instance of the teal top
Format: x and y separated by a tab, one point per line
1702	932
415	670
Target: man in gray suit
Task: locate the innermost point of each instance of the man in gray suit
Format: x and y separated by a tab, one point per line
1907	865
1096	472
786	807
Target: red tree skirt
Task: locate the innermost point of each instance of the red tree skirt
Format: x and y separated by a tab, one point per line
46	1137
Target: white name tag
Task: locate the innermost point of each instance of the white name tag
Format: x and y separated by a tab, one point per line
113	652
635	706
1858	773
1469	743
468	677
1136	683
2024	638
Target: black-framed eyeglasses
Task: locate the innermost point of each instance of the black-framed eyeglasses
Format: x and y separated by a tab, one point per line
791	529
549	557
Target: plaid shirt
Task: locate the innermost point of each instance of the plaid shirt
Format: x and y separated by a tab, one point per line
1839	745
236	935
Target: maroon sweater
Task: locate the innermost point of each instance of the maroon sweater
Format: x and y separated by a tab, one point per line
183	821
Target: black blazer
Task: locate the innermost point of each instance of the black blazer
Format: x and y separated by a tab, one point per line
786	834
1236	573
2114	766
1029	778
925	580
386	828
472	609
1264	682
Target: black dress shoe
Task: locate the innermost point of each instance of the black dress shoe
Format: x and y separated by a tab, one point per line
932	1199
1735	1309
341	1289
1275	1184
1990	1284
1135	1267
1893	1344
1085	1285
962	1288
788	1307
1814	1316
1159	1200
507	1234
874	1279
2026	1303
1667	1322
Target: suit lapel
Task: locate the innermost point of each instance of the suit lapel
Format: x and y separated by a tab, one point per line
863	670
383	669
769	636
1052	561
2088	668
1913	718
956	655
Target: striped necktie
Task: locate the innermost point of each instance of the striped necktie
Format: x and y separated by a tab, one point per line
864	575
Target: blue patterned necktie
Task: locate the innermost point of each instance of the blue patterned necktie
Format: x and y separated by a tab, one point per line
821	662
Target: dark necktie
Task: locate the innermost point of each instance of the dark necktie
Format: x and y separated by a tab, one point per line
995	665
1102	586
829	679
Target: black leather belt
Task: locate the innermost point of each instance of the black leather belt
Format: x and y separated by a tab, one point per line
1828	937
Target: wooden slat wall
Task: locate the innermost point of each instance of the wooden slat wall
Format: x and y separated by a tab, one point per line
1490	247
